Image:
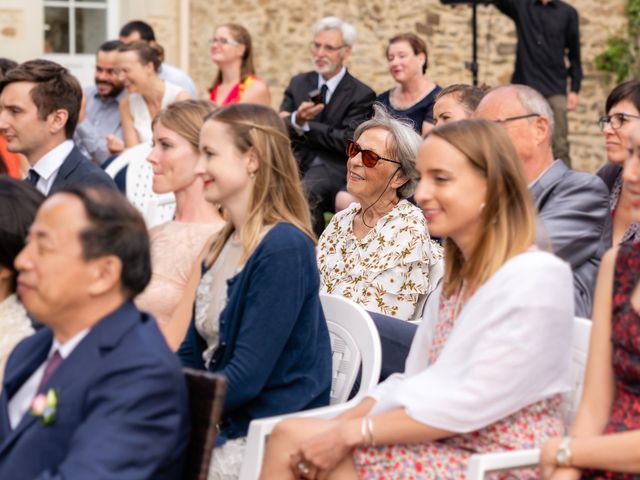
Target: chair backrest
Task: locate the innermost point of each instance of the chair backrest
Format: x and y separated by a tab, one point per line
355	343
206	399
579	353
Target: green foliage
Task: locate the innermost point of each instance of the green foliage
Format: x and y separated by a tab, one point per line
622	54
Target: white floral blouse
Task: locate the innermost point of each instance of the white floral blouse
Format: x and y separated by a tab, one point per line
388	269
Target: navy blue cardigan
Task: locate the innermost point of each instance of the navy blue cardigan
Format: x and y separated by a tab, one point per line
274	344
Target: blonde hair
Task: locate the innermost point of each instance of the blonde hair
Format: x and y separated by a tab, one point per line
508	217
186	118
277	195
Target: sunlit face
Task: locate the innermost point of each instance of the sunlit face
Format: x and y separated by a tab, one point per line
631	174
134	73
225	169
367	184
173	160
54	278
449	109
404	64
451	192
25	132
107	77
329	52
223	48
618	141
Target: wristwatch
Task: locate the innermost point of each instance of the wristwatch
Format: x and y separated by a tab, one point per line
563	455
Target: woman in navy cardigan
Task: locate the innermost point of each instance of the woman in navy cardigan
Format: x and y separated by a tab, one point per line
257	316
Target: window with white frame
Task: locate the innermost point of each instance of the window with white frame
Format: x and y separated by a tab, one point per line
75	27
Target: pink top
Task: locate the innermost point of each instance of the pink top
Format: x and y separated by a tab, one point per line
236	93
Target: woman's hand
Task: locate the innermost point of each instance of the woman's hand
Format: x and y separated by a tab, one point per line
549	470
321	453
114	144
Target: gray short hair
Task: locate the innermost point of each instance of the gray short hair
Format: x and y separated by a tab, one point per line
403	145
348	31
534	102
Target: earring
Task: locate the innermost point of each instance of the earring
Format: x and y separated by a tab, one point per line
252	175
482	205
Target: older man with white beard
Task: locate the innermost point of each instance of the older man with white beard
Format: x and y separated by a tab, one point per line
322	109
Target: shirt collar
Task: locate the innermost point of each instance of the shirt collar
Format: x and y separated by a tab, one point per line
53	159
67	347
333	82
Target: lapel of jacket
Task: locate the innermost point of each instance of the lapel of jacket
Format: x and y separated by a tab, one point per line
342	92
14	379
547	182
103	337
68	166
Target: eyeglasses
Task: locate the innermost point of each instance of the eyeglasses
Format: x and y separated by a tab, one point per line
369	158
315	47
616	120
519	117
223	41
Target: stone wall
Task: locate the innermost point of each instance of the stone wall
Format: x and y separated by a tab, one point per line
281	33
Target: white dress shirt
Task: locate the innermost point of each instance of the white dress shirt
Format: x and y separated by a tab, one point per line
332	84
20	403
49	165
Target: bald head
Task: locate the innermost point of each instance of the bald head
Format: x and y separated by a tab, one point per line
527	118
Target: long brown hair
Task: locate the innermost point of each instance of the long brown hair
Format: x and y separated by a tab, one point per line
243	37
277	195
508	218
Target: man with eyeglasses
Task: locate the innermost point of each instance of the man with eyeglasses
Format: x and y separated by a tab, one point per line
100	116
573	207
322	109
548	31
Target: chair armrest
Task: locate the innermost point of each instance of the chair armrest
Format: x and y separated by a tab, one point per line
481	464
260	429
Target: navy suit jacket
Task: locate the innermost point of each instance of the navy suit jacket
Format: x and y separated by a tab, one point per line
122	406
574	212
79	170
350	105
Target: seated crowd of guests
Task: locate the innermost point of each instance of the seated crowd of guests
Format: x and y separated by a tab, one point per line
99	313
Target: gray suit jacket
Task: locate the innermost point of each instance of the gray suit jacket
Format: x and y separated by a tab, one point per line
574	221
79	170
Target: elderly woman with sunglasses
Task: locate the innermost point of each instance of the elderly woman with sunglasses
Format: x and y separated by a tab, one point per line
378	252
623	114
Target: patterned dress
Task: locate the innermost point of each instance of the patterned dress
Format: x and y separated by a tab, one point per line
448	459
625	338
633	231
388	269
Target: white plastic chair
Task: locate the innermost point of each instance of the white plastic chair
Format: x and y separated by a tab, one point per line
354	342
482	464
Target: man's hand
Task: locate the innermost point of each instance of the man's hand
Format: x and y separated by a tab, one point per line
572	101
307	111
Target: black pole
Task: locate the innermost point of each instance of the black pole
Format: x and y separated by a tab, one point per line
474	33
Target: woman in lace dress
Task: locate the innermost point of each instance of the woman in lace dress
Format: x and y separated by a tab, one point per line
486	369
19	201
258	318
176	245
604	438
378	252
148	93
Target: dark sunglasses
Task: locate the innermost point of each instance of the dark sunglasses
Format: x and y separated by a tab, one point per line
369	157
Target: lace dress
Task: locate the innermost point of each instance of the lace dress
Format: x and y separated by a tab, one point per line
448	459
625	338
14	325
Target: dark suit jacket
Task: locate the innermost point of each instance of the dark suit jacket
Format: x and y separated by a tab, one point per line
350	105
79	170
574	215
122	406
609	173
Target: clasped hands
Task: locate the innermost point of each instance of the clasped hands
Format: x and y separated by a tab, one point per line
308	111
320	454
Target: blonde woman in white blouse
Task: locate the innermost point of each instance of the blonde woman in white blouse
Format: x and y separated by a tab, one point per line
490	361
378	252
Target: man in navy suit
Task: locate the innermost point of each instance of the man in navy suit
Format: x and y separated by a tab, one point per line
96	393
319	127
39	107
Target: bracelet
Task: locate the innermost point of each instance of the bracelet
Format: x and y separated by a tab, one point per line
366	431
363	431
370	431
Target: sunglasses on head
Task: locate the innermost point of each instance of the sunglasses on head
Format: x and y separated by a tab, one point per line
369	157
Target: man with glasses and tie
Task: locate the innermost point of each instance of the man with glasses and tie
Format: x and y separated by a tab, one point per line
39	108
322	109
95	393
573	207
